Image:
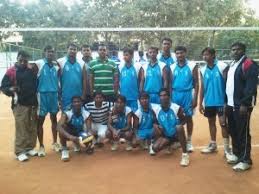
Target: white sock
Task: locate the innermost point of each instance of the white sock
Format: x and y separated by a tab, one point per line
189	138
213	142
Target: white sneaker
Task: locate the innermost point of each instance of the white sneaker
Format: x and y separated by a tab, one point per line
176	145
65	155
122	140
41	152
231	158
129	146
32	152
189	146
77	147
22	157
211	148
241	166
56	147
151	151
114	146
185	159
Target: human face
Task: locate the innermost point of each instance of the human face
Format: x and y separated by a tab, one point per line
76	105
237	52
144	102
207	57
152	54
49	54
127	57
180	55
98	99
102	51
72	50
86	52
22	61
166	45
164	99
120	105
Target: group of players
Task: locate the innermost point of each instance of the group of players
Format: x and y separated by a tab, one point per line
145	103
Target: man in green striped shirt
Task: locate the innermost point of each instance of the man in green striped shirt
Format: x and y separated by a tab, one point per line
103	75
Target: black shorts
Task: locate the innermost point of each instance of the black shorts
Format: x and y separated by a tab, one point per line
212	111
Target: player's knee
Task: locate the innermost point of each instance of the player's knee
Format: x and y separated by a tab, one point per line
179	129
108	134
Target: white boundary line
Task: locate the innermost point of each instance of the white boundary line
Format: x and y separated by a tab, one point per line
116	29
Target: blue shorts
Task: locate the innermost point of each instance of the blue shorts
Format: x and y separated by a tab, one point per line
183	99
154	98
145	134
133	104
48	103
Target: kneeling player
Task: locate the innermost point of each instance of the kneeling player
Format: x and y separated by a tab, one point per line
119	124
144	118
170	118
71	128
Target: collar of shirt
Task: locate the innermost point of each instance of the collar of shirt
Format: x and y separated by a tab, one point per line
153	64
68	59
49	64
128	65
214	64
87	59
185	63
165	56
237	62
102	60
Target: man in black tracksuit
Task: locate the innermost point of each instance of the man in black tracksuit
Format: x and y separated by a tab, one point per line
241	91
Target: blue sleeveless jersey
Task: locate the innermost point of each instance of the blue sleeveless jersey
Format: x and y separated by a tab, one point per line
213	84
71	81
47	76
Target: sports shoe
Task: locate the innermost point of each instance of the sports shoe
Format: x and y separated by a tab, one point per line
189	146
241	166
32	152
185	159
122	140
176	145
77	147
114	146
129	146
41	152
211	148
65	155
56	147
151	151
144	144
231	158
22	157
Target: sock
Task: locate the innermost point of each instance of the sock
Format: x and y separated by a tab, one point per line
189	138
226	144
213	142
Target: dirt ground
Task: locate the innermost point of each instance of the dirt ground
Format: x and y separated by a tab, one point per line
121	172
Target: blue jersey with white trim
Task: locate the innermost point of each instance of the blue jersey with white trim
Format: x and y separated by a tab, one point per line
47	76
146	119
213	84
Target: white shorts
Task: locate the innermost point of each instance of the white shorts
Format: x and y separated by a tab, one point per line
100	129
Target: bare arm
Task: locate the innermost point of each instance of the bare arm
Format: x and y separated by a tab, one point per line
201	108
128	126
84	83
141	80
196	86
165	80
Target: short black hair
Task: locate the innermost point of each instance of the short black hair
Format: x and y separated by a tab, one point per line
167	39
164	90
128	50
122	98
210	50
76	97
48	47
180	48
239	44
96	93
23	53
154	48
143	95
71	44
102	45
85	46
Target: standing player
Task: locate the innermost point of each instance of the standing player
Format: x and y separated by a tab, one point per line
212	95
141	58
84	61
72	77
119	124
184	78
103	75
128	73
71	128
48	76
144	118
153	76
170	118
165	56
99	110
241	90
